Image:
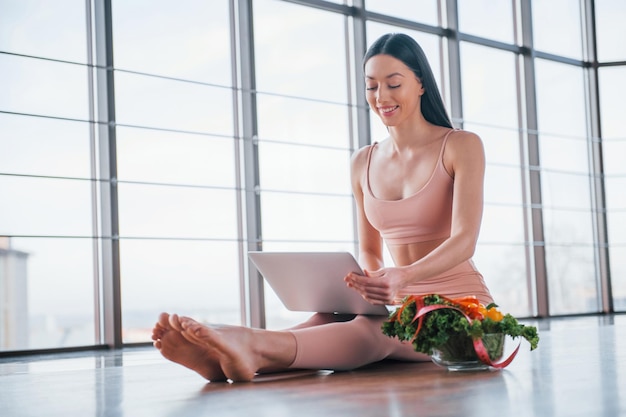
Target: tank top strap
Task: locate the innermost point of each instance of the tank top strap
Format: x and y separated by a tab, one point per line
367	166
443	143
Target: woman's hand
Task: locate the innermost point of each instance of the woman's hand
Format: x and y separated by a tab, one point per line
378	287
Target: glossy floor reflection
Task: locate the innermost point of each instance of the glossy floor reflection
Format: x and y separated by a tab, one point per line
578	370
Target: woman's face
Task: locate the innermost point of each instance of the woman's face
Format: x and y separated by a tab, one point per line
392	90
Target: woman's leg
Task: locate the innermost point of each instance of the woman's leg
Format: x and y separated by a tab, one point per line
318	319
349	345
193	352
241	352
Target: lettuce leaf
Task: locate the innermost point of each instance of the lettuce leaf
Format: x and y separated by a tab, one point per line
441	325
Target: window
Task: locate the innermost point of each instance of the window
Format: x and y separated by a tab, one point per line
178	210
487	19
610	29
425	11
565	186
180	154
304	134
612	90
46	219
567	40
490	109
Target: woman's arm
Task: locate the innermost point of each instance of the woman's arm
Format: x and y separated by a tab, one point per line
370	242
465	159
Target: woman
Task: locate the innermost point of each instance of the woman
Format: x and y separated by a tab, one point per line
419	190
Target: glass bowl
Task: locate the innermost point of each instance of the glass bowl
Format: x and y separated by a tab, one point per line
458	353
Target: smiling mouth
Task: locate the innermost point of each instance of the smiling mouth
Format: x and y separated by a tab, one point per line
388	109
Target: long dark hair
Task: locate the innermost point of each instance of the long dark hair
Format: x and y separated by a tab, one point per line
407	50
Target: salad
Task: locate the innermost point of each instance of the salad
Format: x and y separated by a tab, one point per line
460	329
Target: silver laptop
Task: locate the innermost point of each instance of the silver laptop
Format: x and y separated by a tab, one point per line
313	281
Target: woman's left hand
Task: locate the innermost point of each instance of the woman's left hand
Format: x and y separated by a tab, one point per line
378	287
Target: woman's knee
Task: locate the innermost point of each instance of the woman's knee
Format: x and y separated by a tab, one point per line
319	319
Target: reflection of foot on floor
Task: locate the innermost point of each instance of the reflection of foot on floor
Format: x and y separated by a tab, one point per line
232	346
169	340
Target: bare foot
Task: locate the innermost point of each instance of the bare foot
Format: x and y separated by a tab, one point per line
232	346
169	340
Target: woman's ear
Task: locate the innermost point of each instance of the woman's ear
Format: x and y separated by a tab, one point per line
421	90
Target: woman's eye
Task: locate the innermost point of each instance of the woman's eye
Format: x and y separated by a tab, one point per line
372	88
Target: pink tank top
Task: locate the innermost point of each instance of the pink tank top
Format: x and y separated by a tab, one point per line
423	216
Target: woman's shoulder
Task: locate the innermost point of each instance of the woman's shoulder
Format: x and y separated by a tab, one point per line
464	140
358	166
462	134
463	148
360	156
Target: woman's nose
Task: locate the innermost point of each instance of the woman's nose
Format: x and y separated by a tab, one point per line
380	95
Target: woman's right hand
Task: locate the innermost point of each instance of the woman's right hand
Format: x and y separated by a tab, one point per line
380	286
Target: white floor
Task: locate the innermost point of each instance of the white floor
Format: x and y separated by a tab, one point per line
578	370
